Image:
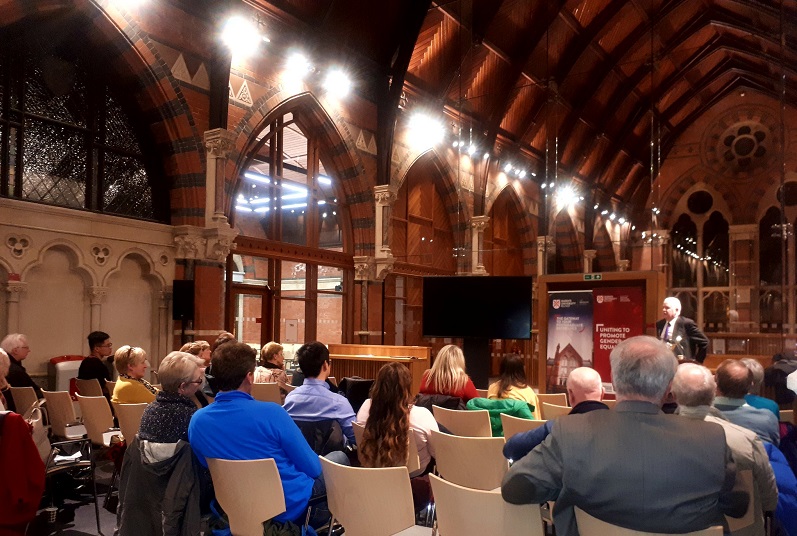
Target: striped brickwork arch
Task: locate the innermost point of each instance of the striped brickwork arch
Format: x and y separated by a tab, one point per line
525	226
337	148
568	249
157	94
604	258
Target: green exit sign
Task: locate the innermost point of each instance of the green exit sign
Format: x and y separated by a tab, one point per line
592	277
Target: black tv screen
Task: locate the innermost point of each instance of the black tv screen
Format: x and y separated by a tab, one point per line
492	307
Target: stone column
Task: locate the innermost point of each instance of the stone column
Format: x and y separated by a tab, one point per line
14	289
660	253
164	326
743	270
546	247
589	259
97	296
477	226
364	271
384	197
219	143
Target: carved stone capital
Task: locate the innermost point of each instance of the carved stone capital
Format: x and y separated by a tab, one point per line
480	270
623	265
383	267
219	241
479	223
590	254
189	242
546	244
219	142
15	289
97	295
164	298
384	195
364	268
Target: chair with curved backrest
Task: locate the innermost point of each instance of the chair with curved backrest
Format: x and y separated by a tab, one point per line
286	387
249	491
552	411
24	398
467	423
110	386
371	502
267	392
97	419
463	511
413	460
323	436
786	415
61	414
516	425
610	403
592	526
88	387
473	462
560	399
356	391
482	392
129	416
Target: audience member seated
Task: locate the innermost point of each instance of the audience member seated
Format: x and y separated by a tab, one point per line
584	390
733	383
694	389
5	393
238	427
166	419
495	408
786	512
201	349
313	401
272	368
22	470
16	346
131	387
94	366
447	375
753	397
512	383
210	389
389	416
597	461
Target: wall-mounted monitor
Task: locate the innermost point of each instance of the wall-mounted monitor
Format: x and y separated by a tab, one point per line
491	307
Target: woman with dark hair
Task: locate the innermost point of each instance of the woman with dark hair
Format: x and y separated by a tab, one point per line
389	417
512	383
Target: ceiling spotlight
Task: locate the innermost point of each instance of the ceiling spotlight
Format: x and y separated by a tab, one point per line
612	216
297	65
604	212
533	174
507	168
622	221
337	83
566	196
522	173
486	156
471	149
425	131
455	144
241	36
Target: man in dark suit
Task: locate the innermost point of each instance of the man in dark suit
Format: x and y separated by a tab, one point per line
680	333
632	466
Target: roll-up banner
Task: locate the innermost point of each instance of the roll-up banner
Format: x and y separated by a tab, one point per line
619	313
569	335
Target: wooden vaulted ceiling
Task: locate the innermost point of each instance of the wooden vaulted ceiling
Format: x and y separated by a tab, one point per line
603	77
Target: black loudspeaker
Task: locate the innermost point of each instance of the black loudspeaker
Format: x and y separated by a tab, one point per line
183	300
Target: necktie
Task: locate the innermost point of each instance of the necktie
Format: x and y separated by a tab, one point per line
666	336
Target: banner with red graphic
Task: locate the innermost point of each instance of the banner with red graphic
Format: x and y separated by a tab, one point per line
618	313
569	335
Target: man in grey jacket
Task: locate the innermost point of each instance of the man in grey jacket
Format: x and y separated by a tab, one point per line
633	466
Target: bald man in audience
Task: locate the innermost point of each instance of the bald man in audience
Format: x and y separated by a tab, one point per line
694	388
585	392
733	383
632	466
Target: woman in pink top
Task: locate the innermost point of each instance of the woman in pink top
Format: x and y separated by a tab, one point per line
447	375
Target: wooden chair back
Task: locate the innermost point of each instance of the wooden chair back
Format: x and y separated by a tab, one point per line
62	416
786	415
369	502
515	425
471	512
267	392
482	393
24	398
610	403
473	462
249	491
88	387
97	417
110	386
552	411
466	423
593	526
560	399
129	417
413	461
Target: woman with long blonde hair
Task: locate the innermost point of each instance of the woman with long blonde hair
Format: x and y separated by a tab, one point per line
447	375
390	417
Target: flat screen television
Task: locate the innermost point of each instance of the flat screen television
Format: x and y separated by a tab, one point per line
492	307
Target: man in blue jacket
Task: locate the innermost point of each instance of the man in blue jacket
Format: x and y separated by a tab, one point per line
585	392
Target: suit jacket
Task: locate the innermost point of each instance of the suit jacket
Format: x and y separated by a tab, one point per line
693	342
633	466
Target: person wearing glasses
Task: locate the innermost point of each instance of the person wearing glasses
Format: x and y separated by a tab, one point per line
166	420
94	365
16	346
131	387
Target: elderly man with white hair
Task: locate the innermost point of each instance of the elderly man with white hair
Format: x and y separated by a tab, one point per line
753	397
16	346
681	334
694	389
585	392
632	466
